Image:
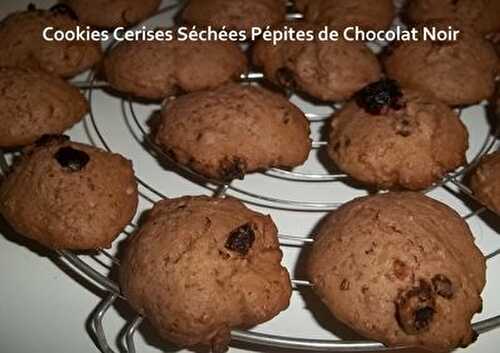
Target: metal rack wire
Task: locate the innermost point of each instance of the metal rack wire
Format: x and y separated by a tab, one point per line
88	266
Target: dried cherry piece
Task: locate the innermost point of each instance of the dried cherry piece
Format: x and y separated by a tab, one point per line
63	9
378	96
241	239
72	159
415	308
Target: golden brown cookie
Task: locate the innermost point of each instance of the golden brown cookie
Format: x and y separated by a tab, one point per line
485	181
66	195
112	13
329	71
34	103
400	268
23	44
481	15
199	267
340	14
234	14
458	72
156	69
392	138
233	130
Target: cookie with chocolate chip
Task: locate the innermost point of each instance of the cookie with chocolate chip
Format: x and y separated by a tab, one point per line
393	138
400	268
340	14
157	69
67	195
329	71
34	103
112	13
484	181
233	130
481	15
234	14
458	72
199	267
23	45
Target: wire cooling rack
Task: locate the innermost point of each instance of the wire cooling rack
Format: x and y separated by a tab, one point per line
96	267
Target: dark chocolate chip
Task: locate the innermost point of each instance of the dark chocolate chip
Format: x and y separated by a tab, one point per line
47	139
443	286
286	78
415	308
232	169
63	9
31	7
378	96
241	239
71	159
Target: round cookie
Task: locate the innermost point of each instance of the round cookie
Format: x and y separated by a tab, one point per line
156	69
329	71
484	181
34	103
400	268
23	45
461	72
481	15
112	13
199	267
340	14
67	195
233	130
234	14
392	138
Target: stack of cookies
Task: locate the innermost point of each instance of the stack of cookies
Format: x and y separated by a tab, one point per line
398	267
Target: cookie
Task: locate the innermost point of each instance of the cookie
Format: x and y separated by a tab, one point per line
400	268
340	14
234	14
394	138
233	130
112	13
34	103
199	267
329	71
23	45
434	67
156	69
484	181
66	195
481	15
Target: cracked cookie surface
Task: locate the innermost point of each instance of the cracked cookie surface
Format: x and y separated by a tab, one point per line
340	14
233	130
34	103
23	45
330	71
67	195
234	14
484	181
400	268
391	138
199	267
157	69
112	13
458	73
